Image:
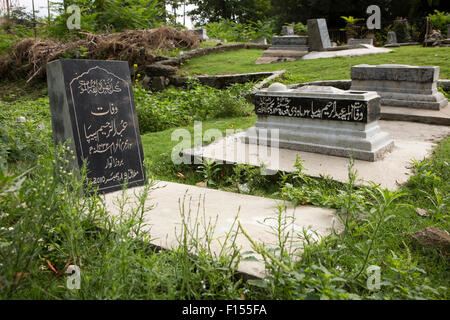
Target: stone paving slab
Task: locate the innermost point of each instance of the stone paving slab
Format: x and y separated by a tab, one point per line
256	215
411	141
439	117
345	53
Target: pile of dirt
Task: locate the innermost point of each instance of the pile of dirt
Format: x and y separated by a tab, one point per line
30	56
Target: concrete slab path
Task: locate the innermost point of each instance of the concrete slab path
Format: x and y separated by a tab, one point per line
345	53
440	117
204	206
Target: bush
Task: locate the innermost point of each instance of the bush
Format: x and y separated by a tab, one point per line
108	15
24	130
440	21
237	32
173	107
10	34
300	29
401	28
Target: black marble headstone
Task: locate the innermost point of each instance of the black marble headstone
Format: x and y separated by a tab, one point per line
92	107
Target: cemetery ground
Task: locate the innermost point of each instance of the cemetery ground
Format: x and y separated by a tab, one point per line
46	225
243	61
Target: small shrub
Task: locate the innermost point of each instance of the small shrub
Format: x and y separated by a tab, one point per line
439	21
300	29
239	32
401	28
174	107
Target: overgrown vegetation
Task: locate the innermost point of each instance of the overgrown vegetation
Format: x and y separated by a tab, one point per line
440	21
238	32
46	226
30	56
174	107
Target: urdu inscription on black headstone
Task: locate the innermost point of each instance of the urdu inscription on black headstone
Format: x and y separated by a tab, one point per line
92	106
314	108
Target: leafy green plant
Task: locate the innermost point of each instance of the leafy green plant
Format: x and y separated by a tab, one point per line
401	27
240	32
10	34
440	20
335	267
175	107
350	27
299	28
107	16
445	93
209	170
24	130
351	19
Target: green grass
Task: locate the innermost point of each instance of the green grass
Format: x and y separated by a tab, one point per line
158	147
243	61
13	90
204	44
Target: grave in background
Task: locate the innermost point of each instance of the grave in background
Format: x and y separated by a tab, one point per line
202	34
285	48
320	119
288	48
287	30
392	39
92	107
357	42
319	39
400	85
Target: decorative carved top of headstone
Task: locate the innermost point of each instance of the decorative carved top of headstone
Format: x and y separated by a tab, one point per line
318	37
92	107
323	89
391	37
274	87
287	30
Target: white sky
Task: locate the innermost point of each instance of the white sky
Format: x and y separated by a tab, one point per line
41	6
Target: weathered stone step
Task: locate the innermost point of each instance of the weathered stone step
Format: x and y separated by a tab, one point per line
441	117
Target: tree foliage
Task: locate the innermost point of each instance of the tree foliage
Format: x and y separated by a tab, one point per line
291	11
110	15
235	10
